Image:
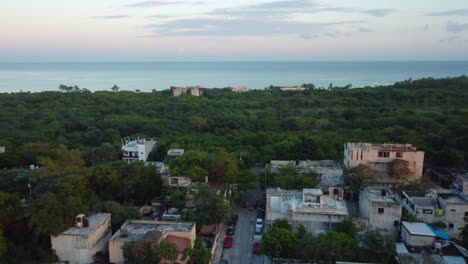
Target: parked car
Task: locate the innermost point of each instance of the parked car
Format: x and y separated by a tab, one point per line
230	230
258	234
256	247
259	223
233	220
223	261
228	242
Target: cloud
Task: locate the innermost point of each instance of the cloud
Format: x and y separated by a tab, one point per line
380	12
426	27
308	36
456	12
241	27
111	17
151	3
454	40
456	27
365	30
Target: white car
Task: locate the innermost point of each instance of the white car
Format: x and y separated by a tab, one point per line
259	223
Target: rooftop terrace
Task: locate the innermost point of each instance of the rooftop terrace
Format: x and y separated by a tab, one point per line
94	222
134	230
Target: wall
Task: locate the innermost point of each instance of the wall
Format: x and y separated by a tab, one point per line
116	252
454	213
415	240
386	220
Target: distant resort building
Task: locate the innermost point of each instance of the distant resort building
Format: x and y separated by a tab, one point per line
316	210
240	89
80	244
292	88
380	156
191	90
137	150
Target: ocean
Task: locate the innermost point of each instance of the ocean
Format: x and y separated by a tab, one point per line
146	76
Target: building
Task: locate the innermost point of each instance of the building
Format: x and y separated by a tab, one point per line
330	173
443	253
292	88
80	244
192	90
422	205
417	235
380	157
380	208
174	153
240	89
181	234
454	208
2	149
179	181
137	150
315	210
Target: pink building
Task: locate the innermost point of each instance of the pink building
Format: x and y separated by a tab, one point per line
380	156
240	89
192	90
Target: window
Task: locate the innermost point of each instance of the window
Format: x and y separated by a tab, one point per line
452	210
451	225
399	154
396	223
466	213
381	210
384	154
361	154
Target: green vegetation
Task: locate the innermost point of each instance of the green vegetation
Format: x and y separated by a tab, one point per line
345	243
74	135
145	252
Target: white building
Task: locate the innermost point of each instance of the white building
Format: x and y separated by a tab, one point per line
137	150
174	153
179	181
330	173
417	235
181	234
80	243
2	149
455	209
313	209
380	208
422	205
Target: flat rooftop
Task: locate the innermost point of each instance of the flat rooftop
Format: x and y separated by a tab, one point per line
418	229
134	230
382	147
94	220
375	195
175	152
452	198
424	201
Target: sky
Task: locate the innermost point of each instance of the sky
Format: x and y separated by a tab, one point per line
209	30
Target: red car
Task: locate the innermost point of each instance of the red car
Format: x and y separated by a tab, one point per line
228	242
256	248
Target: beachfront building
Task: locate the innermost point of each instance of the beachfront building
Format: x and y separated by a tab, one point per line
80	243
316	210
137	150
191	90
181	234
330	173
380	209
380	157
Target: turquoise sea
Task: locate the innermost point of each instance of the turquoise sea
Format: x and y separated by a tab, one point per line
145	76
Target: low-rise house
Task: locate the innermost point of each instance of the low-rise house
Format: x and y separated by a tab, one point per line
174	153
417	234
380	158
330	173
192	90
423	205
179	181
380	208
137	150
2	149
210	235
455	209
181	234
81	243
443	253
315	210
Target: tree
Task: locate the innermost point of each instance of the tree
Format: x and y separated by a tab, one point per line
337	246
400	170
282	223
379	248
347	226
278	242
148	252
198	254
120	213
63	162
212	209
190	164
115	88
3	243
289	178
359	177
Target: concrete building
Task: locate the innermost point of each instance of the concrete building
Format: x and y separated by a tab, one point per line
330	173
179	181
181	234
380	156
455	209
417	235
2	149
292	88
423	205
315	210
137	150
380	208
79	244
192	90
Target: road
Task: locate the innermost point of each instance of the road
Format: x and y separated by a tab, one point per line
241	251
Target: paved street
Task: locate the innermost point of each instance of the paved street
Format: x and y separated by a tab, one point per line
242	249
